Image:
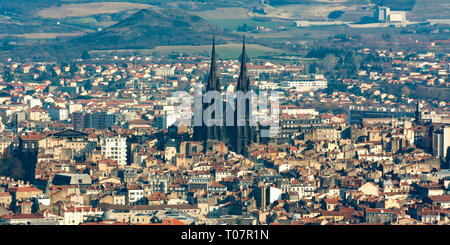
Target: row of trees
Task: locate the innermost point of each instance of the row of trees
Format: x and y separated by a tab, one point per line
417	91
347	62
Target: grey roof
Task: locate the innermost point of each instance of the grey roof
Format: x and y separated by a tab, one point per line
71	179
106	206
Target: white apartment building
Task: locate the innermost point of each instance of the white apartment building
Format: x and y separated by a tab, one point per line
306	84
75	215
115	148
434	117
135	195
295	110
304	190
441	142
165	71
265	85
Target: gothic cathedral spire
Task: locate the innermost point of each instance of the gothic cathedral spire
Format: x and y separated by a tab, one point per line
213	80
204	133
243	133
243	82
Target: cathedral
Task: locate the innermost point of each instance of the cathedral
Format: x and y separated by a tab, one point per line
236	137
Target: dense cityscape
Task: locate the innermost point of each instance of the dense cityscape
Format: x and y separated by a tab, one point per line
363	137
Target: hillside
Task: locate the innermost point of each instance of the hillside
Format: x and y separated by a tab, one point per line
147	29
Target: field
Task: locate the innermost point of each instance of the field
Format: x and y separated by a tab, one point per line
224	13
230	19
233	24
426	9
44	35
87	9
228	51
313	11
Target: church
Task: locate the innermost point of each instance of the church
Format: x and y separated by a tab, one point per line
238	136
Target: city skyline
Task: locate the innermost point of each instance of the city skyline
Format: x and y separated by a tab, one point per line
215	113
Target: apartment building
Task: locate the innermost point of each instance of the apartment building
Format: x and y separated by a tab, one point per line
115	148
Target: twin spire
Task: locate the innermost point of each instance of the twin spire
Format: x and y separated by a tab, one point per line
213	80
237	137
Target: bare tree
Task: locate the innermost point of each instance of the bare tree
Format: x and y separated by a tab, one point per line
357	61
329	62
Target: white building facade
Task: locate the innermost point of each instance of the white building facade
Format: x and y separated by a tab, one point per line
115	148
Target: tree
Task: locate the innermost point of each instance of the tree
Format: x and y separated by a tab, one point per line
357	61
244	28
312	67
306	67
7	75
85	55
73	68
264	76
88	84
406	91
329	62
335	14
53	73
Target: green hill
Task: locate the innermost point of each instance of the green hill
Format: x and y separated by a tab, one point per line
145	29
149	28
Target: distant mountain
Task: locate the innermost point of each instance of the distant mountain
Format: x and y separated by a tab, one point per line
147	29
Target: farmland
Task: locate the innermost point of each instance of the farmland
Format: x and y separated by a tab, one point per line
88	9
227	51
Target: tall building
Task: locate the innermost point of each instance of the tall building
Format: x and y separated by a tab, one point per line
386	15
382	14
204	133
243	135
239	136
97	120
441	142
446	141
418	115
115	148
58	113
81	120
262	191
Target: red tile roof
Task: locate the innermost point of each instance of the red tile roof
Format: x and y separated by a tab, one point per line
23	189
